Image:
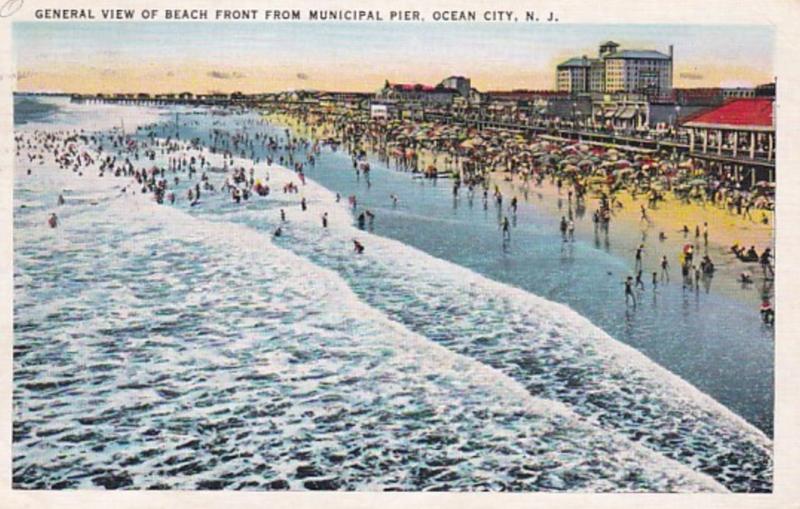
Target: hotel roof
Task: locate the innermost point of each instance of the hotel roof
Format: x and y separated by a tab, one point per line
408	87
575	62
638	53
754	114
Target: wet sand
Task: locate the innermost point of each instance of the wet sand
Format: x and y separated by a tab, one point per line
627	231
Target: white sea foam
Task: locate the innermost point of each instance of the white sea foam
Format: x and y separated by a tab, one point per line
203	319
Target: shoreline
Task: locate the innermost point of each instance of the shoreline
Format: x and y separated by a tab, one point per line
627	230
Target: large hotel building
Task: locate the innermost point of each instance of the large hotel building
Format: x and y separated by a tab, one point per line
646	72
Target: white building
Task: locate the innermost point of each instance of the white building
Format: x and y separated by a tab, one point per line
647	72
573	75
378	111
460	83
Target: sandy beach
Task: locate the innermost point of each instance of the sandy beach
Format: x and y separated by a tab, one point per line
628	231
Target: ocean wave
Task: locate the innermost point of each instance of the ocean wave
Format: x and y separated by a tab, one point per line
184	349
279	378
553	351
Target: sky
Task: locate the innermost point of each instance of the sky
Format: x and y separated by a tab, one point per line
94	57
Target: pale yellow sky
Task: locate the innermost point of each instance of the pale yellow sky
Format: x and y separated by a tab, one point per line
204	78
159	58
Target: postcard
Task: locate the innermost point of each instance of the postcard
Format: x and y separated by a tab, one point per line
402	254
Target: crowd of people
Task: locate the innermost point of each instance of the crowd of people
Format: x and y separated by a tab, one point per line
472	158
156	161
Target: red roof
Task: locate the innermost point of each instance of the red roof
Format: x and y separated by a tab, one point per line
526	94
738	112
413	86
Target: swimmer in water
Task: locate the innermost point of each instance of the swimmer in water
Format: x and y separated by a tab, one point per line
52	220
325	220
358	247
278	232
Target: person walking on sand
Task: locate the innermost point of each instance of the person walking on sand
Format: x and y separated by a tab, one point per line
664	269
644	214
705	233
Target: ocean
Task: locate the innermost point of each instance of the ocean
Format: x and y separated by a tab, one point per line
180	347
